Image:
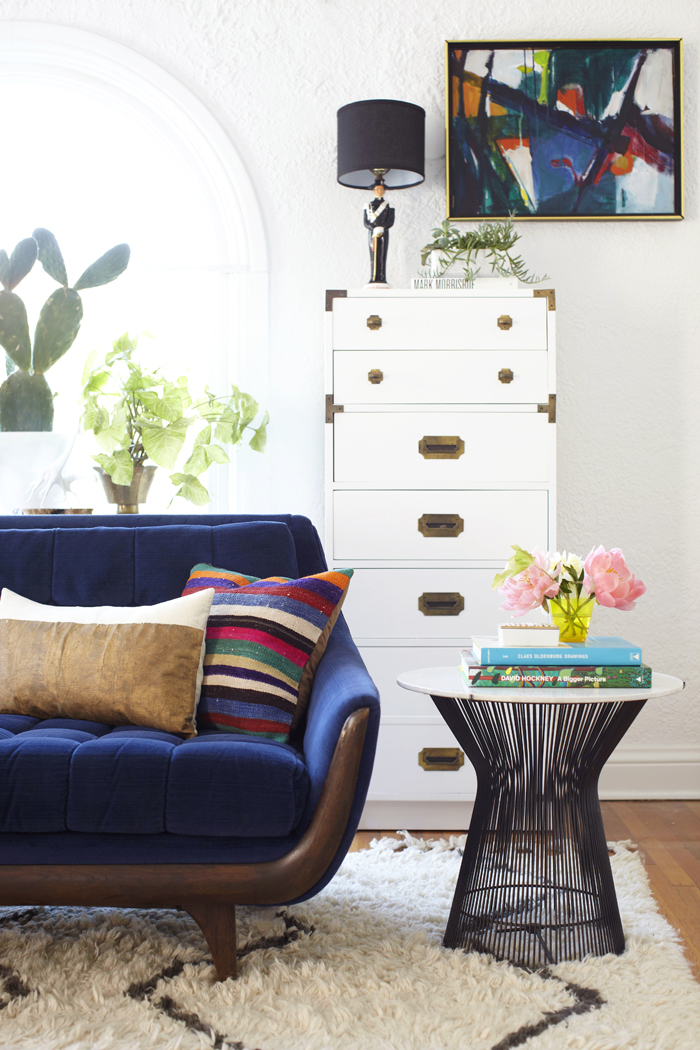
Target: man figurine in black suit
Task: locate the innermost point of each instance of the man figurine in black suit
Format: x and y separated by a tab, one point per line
378	217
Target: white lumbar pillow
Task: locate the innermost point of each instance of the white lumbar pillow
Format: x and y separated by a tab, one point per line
190	611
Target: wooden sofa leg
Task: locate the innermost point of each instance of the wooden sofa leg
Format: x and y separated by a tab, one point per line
218	924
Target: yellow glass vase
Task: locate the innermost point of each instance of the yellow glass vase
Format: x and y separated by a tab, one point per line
572	616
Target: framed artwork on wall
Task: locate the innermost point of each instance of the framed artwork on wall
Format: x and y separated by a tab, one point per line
564	129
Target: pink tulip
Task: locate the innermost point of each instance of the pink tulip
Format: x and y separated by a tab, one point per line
607	576
526	590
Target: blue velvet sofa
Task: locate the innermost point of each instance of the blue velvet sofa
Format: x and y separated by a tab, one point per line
92	814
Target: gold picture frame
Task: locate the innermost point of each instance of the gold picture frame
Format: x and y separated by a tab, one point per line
564	129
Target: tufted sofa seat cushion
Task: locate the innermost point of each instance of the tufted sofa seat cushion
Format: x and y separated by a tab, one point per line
65	774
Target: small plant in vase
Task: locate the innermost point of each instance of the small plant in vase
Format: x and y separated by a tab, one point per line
492	241
567	586
138	414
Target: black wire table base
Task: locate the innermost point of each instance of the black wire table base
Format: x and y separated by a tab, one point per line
535	886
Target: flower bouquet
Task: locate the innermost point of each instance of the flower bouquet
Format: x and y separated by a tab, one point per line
567	586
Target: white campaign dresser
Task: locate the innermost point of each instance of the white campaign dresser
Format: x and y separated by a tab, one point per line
440	454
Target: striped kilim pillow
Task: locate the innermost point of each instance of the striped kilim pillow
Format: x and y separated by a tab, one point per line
264	641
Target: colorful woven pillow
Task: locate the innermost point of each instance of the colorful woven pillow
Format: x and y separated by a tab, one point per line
264	641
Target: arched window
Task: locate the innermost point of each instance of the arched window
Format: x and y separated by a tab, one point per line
103	146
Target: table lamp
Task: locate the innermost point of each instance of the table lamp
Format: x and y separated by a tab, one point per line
381	145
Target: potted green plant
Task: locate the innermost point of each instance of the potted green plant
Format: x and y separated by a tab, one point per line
487	250
138	414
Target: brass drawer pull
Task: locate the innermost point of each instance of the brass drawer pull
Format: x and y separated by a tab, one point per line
441	603
505	375
504	322
374	322
375	375
440	525
441	447
435	758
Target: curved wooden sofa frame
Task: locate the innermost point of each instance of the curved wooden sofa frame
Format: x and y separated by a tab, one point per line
209	892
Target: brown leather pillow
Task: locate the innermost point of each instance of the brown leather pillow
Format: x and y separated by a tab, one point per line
135	673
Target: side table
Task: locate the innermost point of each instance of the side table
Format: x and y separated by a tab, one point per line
535	886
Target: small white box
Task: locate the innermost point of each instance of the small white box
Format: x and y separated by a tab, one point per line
528	634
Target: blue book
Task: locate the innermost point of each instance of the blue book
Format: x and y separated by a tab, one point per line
608	652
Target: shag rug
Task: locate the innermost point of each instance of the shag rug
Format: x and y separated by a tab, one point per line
359	967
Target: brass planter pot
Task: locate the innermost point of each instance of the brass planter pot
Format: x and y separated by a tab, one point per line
128	497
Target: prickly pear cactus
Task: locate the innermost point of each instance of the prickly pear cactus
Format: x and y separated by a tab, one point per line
26	402
14	329
59	322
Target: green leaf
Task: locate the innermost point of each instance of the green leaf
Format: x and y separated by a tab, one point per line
26	402
21	261
120	466
167	406
96	383
136	380
516	564
4	268
247	406
203	437
217	454
57	327
14	330
49	255
258	442
122	349
105	269
229	428
110	436
91	413
190	488
203	456
164	443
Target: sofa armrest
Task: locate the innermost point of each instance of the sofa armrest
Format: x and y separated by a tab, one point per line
341	686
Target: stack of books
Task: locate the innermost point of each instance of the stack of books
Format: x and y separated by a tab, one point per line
517	659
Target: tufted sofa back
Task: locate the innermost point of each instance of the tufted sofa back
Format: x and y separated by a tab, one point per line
107	560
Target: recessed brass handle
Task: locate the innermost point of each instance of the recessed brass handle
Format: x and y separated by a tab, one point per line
375	375
440	525
441	447
504	322
505	375
436	758
441	603
374	322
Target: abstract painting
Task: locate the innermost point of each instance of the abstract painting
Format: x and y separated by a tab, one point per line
584	129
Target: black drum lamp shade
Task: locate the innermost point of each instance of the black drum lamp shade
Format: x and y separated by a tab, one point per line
381	134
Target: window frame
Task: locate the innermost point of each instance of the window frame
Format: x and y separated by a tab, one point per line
48	54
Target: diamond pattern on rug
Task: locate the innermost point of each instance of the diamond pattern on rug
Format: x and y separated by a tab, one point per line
360	966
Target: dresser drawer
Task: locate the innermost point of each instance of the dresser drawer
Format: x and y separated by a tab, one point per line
398	774
386	664
460	524
423	603
400	448
441	323
426	377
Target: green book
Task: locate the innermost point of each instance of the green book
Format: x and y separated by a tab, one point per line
532	677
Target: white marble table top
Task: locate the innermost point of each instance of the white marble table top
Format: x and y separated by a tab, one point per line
449	681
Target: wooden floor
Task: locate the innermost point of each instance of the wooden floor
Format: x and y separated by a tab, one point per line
667	835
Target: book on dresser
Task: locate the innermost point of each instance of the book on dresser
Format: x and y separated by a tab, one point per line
542	676
596	650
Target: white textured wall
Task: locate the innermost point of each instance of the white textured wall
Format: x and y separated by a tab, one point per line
274	73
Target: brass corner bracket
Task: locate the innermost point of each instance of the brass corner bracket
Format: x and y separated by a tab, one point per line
334	293
546	293
331	409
